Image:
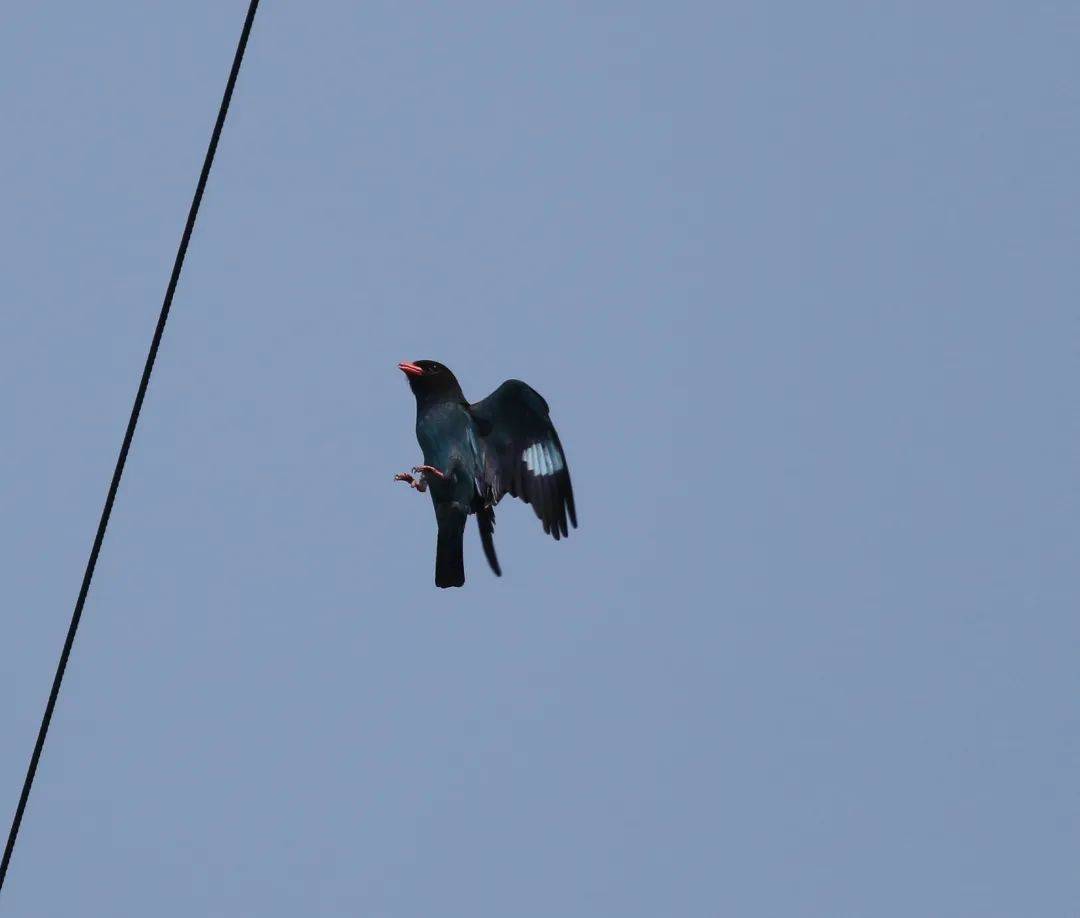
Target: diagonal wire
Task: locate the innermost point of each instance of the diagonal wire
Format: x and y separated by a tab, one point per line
118	472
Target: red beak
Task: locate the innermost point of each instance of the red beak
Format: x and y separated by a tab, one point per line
410	369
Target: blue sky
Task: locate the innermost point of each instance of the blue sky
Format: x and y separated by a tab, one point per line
799	286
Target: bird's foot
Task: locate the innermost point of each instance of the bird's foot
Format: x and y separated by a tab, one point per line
429	470
418	483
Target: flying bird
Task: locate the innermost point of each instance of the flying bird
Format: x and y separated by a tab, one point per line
476	453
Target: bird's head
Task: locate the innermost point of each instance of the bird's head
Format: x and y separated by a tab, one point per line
430	378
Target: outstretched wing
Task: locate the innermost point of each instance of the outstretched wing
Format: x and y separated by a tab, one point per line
523	455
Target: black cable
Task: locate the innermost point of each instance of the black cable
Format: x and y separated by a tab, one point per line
128	435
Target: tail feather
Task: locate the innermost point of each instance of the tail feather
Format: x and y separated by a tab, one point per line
485	519
449	556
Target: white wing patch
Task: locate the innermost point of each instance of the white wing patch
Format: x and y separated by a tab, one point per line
542	459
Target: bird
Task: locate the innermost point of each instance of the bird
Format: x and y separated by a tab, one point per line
474	454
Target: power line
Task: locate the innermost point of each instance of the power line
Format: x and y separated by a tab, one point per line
118	472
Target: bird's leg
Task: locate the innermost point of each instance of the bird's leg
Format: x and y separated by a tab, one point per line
418	483
429	470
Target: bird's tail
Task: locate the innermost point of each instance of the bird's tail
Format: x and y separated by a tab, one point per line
485	519
449	559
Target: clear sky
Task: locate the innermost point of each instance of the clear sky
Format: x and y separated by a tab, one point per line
799	283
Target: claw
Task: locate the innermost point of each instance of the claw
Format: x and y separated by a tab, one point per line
429	470
418	483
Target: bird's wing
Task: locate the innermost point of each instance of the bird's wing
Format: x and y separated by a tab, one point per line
523	455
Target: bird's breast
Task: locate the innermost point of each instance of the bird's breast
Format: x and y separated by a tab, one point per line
446	438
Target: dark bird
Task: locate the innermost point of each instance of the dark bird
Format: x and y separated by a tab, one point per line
474	454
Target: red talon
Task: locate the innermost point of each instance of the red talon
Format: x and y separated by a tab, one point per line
429	470
418	483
